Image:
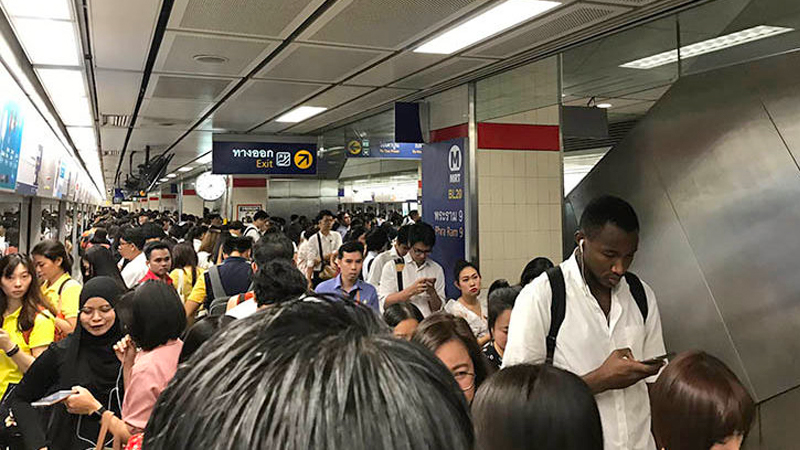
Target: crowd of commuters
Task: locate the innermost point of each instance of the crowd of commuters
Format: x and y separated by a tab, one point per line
184	332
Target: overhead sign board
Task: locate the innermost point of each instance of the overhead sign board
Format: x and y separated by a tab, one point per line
400	150
264	158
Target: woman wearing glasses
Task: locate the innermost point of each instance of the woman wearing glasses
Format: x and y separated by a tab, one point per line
452	341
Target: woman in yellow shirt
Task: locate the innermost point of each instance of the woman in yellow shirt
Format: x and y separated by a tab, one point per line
53	267
28	327
186	272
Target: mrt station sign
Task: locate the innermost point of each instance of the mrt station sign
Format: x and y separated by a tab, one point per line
264	158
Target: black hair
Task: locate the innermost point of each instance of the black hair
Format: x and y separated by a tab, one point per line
152	230
53	250
134	236
402	234
460	266
260	215
155	315
101	264
377	239
321	374
278	281
157	245
236	225
271	246
500	300
351	247
324	213
497	284
239	244
398	312
421	232
533	269
201	332
355	233
608	209
536	403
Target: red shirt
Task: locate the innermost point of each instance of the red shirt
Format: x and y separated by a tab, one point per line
151	276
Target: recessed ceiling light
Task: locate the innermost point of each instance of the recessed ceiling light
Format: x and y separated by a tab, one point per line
709	46
300	114
48	42
604	105
185	169
163	179
491	22
210	59
172	175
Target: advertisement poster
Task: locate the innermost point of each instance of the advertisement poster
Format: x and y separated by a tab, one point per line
443	179
11	124
244	210
264	158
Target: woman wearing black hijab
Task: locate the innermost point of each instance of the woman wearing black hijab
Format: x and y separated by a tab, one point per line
85	358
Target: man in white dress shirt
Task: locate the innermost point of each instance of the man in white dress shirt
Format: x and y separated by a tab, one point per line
422	278
322	246
399	249
606	335
131	243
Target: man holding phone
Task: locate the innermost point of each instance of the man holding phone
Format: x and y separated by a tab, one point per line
415	277
610	329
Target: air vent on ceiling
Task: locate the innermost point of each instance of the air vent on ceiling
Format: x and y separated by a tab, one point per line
111	152
116	121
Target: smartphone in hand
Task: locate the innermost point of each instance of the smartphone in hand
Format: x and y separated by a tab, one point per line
662	359
53	399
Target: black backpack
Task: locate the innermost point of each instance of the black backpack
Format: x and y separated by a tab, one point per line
558	307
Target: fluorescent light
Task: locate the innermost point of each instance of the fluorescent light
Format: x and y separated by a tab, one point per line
604	105
489	23
40	9
185	169
205	159
172	175
75	112
163	180
48	42
708	46
83	138
68	93
300	114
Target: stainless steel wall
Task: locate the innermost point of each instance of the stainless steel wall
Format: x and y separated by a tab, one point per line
713	174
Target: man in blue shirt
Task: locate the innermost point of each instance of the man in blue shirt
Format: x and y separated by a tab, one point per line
350	260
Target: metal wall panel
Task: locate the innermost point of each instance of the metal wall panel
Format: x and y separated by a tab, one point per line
716	188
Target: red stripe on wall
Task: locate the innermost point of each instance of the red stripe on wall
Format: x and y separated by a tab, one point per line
250	182
445	134
189	192
154	198
510	136
169	196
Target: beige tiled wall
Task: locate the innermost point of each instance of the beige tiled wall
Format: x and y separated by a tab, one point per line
519	210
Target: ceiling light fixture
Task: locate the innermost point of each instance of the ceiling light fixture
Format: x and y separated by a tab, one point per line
40	9
48	42
708	46
300	114
163	180
604	105
210	59
489	23
185	169
172	175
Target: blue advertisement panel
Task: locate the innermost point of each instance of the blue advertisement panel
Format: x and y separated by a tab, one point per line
264	158
443	203
11	122
399	150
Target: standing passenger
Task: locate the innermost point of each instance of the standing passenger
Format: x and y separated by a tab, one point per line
53	265
399	250
611	323
501	302
322	247
350	259
468	306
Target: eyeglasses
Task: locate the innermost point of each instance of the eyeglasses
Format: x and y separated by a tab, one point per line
465	380
419	252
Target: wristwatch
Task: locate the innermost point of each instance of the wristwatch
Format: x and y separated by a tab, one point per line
99	413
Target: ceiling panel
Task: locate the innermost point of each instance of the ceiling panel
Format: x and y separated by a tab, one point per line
338	95
190	88
395	68
167	108
112	138
441	72
196	143
122	24
560	23
319	63
158	138
367	102
259	100
631	2
117	91
269	18
388	24
271	127
179	50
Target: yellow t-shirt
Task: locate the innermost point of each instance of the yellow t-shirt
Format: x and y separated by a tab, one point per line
185	290
198	294
70	295
42	335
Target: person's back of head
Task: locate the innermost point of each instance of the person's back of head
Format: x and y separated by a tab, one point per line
533	269
135	237
278	281
152	230
237	244
698	402
377	240
272	246
318	374
154	315
536	406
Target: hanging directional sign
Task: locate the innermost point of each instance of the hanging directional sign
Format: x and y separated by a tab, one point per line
264	158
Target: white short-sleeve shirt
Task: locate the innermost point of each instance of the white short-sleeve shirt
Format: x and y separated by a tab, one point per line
411	273
329	244
586	338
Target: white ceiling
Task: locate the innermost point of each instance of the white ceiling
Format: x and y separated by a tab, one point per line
351	57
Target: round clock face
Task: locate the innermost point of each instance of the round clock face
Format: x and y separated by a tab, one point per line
209	186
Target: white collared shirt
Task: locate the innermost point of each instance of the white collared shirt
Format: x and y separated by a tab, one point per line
411	273
376	271
133	273
330	244
585	340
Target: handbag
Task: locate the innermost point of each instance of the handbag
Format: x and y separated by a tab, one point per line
327	271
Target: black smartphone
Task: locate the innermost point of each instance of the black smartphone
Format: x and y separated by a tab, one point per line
659	359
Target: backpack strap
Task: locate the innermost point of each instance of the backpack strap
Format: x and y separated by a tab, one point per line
399	265
638	293
558	307
216	282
